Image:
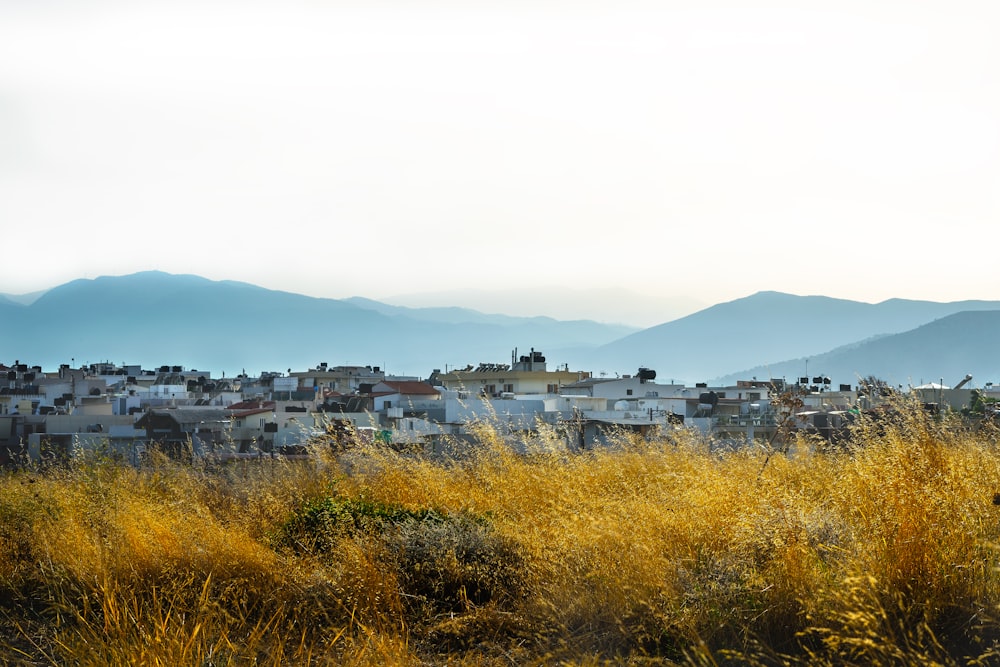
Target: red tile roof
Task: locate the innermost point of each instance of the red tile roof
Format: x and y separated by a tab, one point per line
410	387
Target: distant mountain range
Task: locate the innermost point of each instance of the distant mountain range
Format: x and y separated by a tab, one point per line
155	318
943	350
562	303
774	335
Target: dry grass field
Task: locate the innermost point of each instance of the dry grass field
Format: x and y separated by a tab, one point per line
882	551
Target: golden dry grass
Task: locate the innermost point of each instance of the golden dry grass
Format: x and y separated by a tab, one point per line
661	552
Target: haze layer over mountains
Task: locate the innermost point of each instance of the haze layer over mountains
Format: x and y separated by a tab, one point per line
155	318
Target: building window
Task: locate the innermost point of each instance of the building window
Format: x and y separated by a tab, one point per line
509	388
553	389
628	392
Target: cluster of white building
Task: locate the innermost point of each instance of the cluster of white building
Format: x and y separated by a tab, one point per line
125	409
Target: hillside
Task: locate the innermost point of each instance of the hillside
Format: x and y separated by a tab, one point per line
941	351
583	331
760	330
155	318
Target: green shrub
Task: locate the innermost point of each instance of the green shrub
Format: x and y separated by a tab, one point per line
443	562
321	523
454	564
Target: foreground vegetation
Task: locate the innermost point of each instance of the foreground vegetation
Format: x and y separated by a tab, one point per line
883	551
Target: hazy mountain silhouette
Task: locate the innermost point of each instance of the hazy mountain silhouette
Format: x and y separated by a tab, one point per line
941	351
591	329
155	318
618	304
10	312
21	299
760	330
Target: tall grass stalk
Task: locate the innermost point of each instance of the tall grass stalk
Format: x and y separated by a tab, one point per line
669	550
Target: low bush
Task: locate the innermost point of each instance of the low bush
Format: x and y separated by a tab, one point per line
444	562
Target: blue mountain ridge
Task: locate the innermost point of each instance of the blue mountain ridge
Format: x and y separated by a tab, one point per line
155	318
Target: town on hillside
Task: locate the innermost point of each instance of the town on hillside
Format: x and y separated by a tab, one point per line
126	410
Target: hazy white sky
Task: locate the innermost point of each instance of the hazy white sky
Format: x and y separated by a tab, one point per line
692	148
